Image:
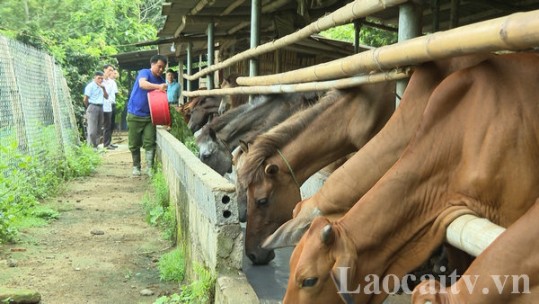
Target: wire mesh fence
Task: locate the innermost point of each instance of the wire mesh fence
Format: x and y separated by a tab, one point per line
36	110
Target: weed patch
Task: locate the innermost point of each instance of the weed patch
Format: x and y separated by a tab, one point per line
29	175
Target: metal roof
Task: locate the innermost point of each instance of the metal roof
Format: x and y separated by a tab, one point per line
189	18
187	21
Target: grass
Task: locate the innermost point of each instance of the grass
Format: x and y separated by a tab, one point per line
200	291
172	266
156	204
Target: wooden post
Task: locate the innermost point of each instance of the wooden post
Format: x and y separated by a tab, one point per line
454	18
435	7
357	31
211	26
255	35
255	38
410	24
180	81
189	64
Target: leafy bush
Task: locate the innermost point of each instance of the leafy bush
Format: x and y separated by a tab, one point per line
156	204
200	291
172	266
31	174
180	130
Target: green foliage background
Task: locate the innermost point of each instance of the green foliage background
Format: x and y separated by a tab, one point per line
82	35
367	35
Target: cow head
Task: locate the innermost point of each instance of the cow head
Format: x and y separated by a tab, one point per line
318	263
237	162
213	151
203	108
271	195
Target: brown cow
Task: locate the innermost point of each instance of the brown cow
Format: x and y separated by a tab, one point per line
231	101
283	158
507	272
353	179
476	151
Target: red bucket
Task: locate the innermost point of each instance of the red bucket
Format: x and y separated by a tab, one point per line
159	109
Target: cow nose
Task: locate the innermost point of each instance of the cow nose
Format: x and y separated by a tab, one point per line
243	216
252	257
261	257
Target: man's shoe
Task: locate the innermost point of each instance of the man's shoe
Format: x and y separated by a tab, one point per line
136	171
110	147
114	146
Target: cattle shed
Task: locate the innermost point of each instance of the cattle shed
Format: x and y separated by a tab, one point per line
250	38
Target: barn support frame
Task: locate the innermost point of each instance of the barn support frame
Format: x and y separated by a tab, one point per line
410	24
211	27
189	64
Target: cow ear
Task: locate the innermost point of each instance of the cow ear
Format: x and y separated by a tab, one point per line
244	146
343	275
327	235
271	169
288	235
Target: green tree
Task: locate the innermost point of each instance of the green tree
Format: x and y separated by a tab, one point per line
81	35
370	36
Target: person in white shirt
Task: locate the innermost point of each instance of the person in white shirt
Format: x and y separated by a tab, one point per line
94	96
108	105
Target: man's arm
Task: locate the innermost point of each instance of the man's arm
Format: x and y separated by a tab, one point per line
148	86
85	100
105	94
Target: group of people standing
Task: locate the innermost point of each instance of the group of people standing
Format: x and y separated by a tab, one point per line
100	101
99	98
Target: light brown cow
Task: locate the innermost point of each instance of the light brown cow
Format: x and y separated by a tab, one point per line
476	151
353	179
507	272
231	101
283	158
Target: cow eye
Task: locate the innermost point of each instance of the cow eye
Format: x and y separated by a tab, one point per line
309	282
262	202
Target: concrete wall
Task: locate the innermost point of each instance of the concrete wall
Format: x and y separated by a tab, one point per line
206	206
207	213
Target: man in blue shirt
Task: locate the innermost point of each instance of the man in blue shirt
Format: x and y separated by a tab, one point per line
173	87
141	131
94	95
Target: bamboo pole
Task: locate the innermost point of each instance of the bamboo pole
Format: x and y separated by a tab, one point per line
472	234
344	15
514	32
304	87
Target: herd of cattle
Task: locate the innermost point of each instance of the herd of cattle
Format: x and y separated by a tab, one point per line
463	140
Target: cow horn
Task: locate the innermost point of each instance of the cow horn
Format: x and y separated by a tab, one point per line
326	235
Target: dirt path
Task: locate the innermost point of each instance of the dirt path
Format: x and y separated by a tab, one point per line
66	263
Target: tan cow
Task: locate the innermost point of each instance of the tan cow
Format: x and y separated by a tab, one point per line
353	179
507	272
282	159
476	151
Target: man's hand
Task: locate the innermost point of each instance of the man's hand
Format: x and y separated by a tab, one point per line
163	87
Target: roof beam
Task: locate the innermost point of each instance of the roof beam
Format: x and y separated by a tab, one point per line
201	5
232	7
